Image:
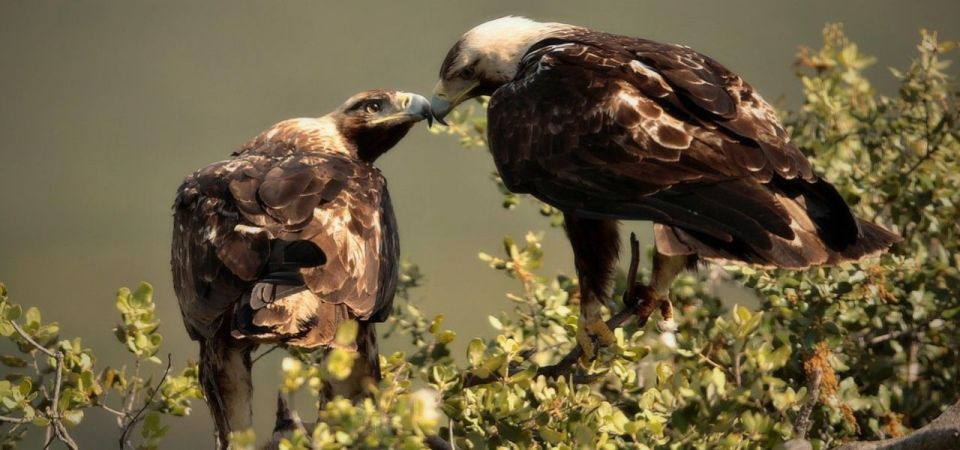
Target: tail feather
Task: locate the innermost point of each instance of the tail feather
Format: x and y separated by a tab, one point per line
823	232
872	241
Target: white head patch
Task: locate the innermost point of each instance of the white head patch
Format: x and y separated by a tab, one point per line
497	46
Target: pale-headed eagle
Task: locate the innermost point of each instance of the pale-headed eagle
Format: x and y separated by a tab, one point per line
286	240
607	127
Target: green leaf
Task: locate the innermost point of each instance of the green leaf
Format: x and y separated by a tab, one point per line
347	333
73	417
340	363
475	351
12	361
12	312
32	318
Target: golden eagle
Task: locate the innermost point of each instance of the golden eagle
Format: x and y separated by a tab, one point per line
607	127
286	240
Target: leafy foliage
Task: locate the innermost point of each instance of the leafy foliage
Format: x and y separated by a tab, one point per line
861	351
53	381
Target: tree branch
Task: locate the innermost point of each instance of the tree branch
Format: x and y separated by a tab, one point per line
941	434
803	423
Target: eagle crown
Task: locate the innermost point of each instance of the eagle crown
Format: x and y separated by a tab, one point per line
491	51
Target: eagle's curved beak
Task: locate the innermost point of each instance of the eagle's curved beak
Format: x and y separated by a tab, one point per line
448	94
417	107
409	108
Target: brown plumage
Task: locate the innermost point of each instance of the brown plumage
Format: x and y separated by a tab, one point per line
607	127
289	238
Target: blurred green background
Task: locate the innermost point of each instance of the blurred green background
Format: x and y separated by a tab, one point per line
106	106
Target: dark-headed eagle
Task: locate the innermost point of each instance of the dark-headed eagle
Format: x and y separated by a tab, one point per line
607	127
286	240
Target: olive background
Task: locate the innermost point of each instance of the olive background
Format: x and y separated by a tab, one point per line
106	105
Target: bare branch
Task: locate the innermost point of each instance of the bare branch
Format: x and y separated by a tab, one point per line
136	417
802	426
271	349
16	420
32	342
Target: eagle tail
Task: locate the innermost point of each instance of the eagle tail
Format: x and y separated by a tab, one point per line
227	385
873	240
790	223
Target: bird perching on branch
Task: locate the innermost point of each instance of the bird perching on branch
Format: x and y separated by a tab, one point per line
288	239
607	127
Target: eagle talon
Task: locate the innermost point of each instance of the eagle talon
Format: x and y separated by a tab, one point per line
644	294
592	335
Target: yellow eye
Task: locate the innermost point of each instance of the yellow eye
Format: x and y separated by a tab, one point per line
372	107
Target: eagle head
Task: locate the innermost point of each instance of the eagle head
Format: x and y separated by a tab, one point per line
485	58
374	121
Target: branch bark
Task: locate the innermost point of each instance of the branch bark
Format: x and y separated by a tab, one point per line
941	434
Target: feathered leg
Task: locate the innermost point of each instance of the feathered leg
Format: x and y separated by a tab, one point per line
227	385
596	245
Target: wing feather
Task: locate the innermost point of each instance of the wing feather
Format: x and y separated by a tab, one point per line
233	220
615	127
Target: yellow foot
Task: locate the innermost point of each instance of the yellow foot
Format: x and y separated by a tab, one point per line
593	334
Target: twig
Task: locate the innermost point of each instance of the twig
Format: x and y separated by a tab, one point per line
136	417
713	363
61	432
110	410
17	420
54	410
264	354
32	342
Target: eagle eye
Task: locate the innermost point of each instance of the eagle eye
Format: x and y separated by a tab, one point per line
373	106
468	72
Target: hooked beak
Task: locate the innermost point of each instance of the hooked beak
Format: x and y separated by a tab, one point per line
413	108
447	95
418	108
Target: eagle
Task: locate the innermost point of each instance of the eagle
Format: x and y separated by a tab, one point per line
286	240
607	127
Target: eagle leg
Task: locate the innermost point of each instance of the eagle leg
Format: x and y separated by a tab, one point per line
225	376
596	245
666	268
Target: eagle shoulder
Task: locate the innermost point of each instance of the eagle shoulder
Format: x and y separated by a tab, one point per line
600	97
